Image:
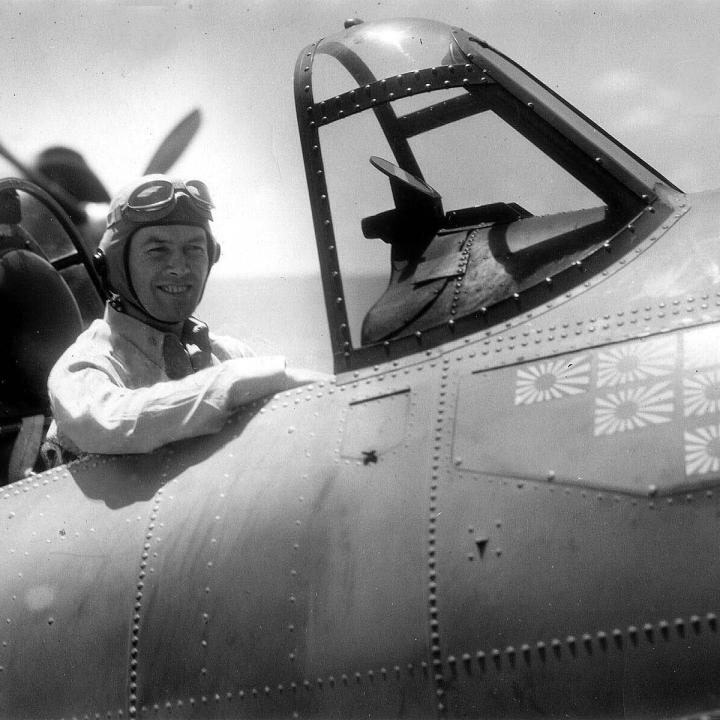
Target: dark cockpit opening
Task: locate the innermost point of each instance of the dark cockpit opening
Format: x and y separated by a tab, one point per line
48	294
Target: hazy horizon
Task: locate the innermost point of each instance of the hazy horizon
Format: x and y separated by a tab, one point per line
282	315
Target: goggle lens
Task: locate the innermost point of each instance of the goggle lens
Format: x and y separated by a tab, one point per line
151	195
200	192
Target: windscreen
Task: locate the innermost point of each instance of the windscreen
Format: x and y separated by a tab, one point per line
520	186
379	50
476	161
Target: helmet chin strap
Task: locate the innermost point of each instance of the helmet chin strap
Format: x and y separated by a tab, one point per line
120	304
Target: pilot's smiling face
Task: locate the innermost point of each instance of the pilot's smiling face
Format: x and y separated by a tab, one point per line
168	266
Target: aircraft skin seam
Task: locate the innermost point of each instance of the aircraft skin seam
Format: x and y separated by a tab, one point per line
37	480
439	433
463	263
336	681
621	639
586	488
136	624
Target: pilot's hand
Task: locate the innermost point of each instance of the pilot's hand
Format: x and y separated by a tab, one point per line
250	379
301	376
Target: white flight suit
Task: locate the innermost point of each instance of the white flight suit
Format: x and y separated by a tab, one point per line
111	393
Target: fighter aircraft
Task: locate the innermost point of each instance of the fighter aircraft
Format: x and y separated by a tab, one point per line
505	505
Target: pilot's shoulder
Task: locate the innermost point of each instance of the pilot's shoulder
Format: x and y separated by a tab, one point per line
91	344
225	347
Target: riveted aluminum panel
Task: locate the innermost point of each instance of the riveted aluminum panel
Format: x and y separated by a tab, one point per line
275	578
71	544
640	417
559	602
375	425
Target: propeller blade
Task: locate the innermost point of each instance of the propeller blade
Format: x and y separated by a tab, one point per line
174	144
68	203
68	168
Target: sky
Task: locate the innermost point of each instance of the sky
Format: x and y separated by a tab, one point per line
110	78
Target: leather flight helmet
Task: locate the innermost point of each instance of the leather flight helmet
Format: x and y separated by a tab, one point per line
151	200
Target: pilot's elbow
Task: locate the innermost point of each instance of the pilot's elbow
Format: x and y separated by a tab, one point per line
91	436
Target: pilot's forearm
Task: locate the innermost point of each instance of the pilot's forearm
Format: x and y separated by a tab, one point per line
249	379
99	416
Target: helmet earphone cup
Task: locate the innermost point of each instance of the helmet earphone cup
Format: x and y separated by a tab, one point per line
214	249
99	262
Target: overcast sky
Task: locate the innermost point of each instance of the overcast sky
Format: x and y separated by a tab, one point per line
111	78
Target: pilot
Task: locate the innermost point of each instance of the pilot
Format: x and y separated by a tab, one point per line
149	373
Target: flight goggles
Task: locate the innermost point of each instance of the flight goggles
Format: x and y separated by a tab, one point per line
154	199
